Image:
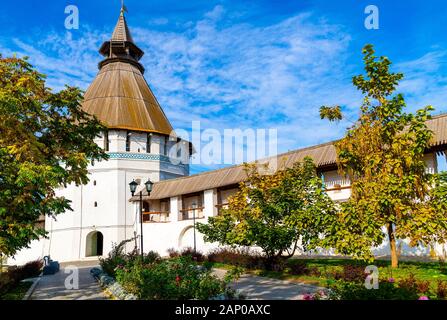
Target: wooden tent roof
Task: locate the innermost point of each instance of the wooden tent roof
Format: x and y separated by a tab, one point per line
121	32
119	96
324	156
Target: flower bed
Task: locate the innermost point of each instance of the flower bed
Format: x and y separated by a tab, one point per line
149	277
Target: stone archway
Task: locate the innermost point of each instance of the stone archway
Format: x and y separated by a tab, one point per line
94	244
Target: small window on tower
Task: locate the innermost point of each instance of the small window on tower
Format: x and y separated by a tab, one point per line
94	182
96	204
165	146
128	141
106	141
148	142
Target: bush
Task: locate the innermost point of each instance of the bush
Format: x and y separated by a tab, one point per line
117	257
30	270
411	283
298	268
343	290
187	252
14	275
175	278
151	257
237	257
351	273
196	255
173	253
441	289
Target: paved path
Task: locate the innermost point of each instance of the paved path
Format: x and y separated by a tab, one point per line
263	288
52	287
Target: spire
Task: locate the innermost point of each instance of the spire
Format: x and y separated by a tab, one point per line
122	32
121	45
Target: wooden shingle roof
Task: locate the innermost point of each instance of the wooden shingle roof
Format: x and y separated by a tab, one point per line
119	96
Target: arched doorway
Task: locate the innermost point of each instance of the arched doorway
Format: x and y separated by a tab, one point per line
94	244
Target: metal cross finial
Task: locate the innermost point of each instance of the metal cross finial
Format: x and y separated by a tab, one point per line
123	7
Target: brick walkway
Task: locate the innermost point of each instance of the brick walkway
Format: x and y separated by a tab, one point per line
262	288
52	287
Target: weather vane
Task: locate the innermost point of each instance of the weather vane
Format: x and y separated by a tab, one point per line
123	7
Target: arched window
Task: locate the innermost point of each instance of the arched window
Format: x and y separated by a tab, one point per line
96	204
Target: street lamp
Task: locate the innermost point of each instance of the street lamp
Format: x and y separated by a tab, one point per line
194	206
133	187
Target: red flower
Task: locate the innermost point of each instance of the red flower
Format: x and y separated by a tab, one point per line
177	279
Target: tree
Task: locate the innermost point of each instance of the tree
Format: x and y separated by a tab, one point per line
383	156
274	212
46	142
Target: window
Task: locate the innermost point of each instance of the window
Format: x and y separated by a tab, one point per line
148	142
96	204
106	141
165	146
128	141
94	182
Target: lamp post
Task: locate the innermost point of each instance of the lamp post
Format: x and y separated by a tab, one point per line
194	206
133	187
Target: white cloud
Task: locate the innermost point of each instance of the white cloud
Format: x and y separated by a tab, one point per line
425	82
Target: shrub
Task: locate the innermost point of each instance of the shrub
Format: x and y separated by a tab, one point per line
411	283
196	255
441	289
351	273
423	286
343	290
175	278
151	257
116	257
237	257
31	269
15	274
314	271
298	268
173	253
6	283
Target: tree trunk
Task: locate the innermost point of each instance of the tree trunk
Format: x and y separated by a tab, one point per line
393	249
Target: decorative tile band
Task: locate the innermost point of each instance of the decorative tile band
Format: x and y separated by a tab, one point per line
139	156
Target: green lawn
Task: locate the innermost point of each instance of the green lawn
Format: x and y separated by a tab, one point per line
18	292
431	271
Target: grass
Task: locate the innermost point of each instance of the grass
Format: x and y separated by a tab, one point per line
431	271
18	292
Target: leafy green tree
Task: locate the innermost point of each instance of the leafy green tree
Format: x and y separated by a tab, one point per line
383	156
274	212
46	142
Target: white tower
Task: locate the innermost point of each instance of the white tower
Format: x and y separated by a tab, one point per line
137	142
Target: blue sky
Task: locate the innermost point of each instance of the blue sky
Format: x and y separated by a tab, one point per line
243	64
